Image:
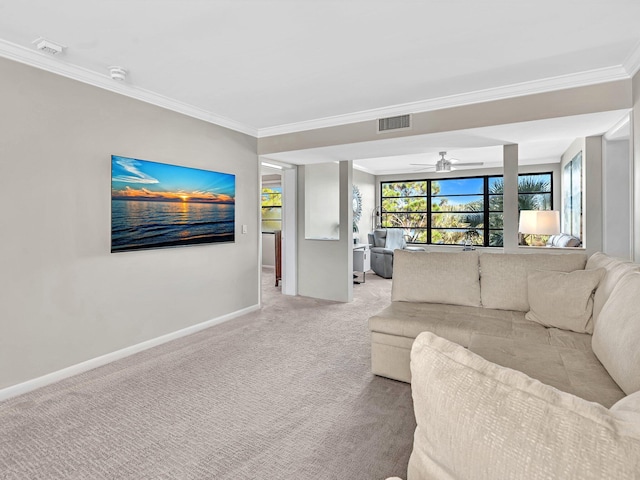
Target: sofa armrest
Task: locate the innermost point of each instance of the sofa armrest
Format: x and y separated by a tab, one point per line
382	250
478	420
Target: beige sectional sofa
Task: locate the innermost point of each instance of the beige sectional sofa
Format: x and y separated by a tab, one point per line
520	370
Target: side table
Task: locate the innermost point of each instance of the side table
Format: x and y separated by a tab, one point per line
361	261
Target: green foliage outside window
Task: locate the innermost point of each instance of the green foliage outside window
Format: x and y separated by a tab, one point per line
444	211
271	201
404	205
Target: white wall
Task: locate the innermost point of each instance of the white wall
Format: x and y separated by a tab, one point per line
617	194
64	298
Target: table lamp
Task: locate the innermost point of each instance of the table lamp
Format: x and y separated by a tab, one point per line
539	222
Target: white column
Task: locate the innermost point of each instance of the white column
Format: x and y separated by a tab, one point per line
510	198
592	197
635	156
289	232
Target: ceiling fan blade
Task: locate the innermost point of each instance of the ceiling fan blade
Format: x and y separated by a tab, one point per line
467	164
422	164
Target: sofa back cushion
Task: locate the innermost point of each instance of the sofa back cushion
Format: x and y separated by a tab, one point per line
436	277
476	419
378	238
616	335
503	276
615	269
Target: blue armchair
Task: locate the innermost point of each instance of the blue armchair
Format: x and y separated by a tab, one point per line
382	244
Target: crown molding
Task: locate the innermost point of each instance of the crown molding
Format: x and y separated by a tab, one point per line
620	130
59	66
632	63
364	169
563	82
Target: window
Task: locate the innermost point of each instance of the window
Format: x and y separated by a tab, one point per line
457	206
404	205
572	196
448	211
271	208
534	193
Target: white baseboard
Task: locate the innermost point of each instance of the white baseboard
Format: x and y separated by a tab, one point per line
82	367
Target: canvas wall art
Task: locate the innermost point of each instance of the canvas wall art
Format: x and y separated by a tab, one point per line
156	205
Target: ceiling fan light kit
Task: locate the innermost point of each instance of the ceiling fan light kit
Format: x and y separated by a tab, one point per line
443	165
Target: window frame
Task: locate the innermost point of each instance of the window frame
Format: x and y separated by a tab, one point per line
486	195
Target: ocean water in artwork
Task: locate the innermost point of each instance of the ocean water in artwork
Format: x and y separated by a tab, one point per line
138	224
155	205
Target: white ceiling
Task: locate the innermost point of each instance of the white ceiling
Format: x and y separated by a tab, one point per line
271	66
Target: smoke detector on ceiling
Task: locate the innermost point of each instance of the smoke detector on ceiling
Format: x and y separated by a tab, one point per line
118	73
47	46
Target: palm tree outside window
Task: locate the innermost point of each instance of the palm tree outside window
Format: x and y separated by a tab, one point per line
443	211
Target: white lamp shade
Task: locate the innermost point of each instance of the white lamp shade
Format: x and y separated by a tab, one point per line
539	222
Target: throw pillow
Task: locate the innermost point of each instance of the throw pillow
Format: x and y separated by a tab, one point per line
616	335
563	300
436	277
476	419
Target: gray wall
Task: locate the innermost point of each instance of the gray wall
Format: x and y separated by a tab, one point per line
64	298
322	201
325	267
268	250
571	101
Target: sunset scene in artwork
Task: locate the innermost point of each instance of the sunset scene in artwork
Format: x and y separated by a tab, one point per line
143	180
156	205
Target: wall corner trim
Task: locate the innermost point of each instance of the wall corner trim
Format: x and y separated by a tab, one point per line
30	385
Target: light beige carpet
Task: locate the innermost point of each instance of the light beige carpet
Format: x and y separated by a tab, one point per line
283	393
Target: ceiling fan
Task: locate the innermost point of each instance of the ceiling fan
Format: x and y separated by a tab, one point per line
444	165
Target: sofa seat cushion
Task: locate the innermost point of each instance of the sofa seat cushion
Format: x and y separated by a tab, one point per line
455	322
479	420
572	370
503	276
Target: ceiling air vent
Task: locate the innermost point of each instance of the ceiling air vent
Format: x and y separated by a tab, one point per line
48	46
394	123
